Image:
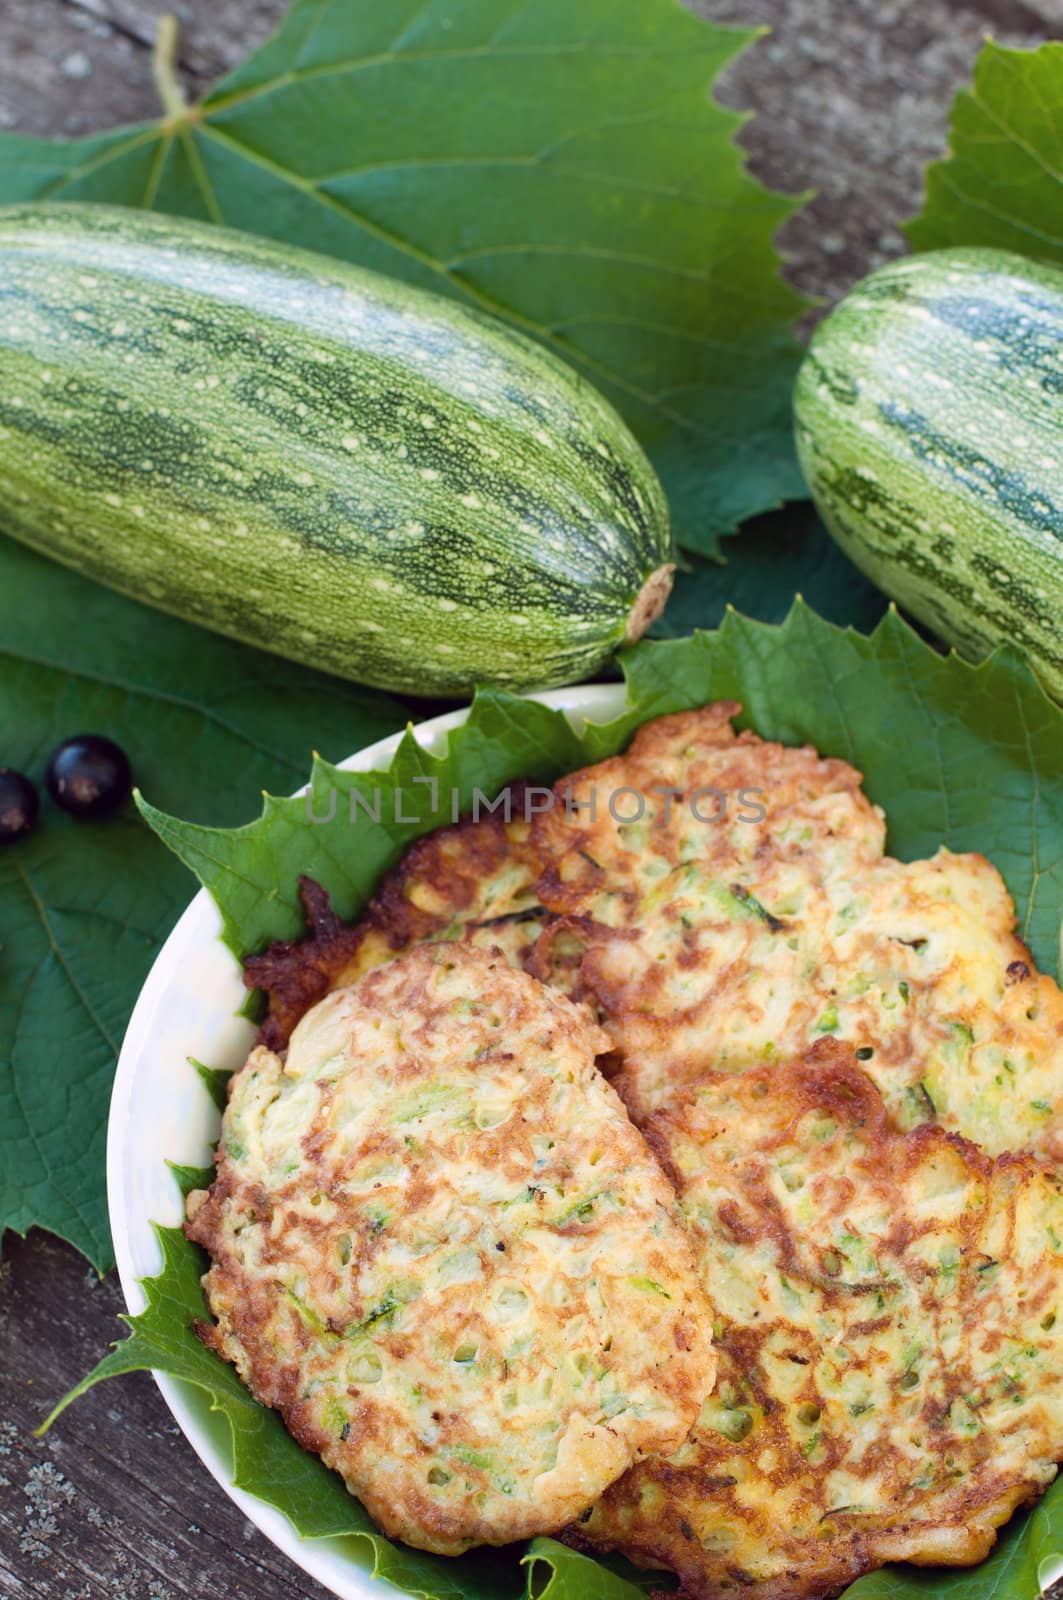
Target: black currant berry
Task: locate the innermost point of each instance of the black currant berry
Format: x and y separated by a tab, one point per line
19	804
88	775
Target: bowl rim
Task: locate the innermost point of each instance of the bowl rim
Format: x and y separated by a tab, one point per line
137	1251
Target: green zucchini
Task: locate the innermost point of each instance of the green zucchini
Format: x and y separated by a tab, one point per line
363	476
929	417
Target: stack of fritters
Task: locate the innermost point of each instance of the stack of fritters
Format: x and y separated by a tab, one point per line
809	1032
714	945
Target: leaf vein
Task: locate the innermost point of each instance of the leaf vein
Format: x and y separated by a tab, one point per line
57	950
539	330
163	696
356	64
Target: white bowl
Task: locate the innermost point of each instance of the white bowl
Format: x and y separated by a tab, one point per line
161	1112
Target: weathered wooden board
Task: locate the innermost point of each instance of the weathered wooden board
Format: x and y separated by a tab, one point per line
112	1505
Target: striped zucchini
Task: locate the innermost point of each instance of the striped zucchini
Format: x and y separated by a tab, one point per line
929	414
360	475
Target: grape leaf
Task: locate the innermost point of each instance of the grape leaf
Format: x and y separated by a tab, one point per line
560	165
215	1080
84	907
570	1576
968	755
774	557
1002	183
345	843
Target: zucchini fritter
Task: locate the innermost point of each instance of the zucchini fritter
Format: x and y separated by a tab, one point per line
443	1252
748	909
889	1330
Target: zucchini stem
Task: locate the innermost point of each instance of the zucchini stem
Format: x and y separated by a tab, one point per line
164	70
649	602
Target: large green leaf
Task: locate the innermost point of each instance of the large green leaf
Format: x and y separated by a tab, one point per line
969	756
1002	183
85	906
559	164
774	557
557	1573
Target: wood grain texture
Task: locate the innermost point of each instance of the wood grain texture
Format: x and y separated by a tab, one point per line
852	100
853	96
111	1503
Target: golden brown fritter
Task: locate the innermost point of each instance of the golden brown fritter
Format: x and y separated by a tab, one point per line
747	909
443	1252
889	1330
473	881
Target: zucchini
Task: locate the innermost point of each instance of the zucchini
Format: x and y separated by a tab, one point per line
357	474
929	417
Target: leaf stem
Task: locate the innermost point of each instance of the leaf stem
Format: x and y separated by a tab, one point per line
164	70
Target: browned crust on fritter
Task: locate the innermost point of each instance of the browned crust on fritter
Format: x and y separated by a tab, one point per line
959	1518
438	881
823	1574
585	856
294	974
